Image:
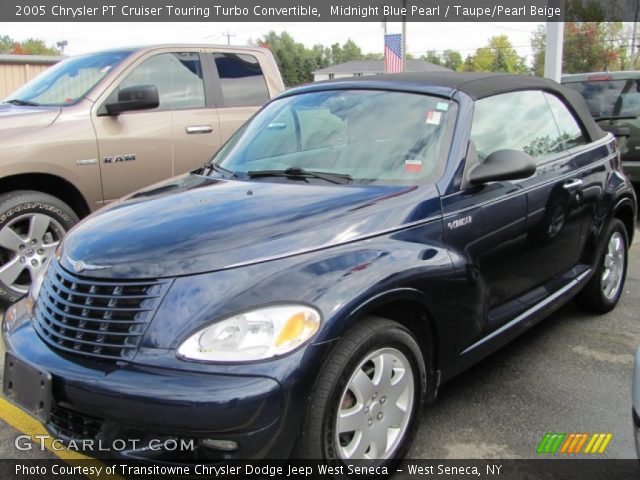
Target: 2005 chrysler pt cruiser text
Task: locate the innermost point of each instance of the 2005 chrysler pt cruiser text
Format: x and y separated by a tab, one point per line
352	247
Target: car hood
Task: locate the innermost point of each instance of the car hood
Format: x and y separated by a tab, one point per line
12	116
196	224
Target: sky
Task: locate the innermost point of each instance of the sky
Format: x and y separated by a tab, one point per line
88	37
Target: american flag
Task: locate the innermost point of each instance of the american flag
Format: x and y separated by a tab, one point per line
393	53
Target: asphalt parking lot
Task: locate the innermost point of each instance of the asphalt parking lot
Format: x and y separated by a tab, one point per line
571	373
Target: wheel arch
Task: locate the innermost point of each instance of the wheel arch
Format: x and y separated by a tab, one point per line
625	211
409	308
50	184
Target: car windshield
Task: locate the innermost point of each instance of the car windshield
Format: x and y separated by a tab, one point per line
610	98
366	136
68	81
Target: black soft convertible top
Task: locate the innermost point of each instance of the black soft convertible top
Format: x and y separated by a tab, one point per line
475	85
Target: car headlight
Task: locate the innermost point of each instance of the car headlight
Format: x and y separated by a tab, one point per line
254	335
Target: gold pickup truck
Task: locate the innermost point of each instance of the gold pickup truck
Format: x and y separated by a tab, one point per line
96	127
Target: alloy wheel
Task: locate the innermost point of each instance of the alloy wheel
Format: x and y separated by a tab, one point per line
375	406
613	268
26	243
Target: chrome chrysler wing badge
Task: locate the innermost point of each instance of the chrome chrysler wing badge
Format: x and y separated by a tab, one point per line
80	266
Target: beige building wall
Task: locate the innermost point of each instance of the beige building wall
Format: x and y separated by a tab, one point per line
14	75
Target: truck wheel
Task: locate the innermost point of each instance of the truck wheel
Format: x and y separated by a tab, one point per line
365	403
31	227
603	291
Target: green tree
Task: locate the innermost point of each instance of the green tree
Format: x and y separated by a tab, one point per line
452	60
346	52
498	56
33	46
6	44
468	65
587	47
296	63
587	11
30	46
321	56
432	57
336	54
587	41
482	60
538	44
373	56
351	51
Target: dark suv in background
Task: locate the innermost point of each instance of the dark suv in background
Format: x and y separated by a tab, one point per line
353	246
613	99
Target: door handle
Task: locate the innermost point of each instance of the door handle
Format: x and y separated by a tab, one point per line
573	184
195	129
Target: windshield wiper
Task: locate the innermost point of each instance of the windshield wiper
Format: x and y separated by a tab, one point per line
22	103
220	169
295	172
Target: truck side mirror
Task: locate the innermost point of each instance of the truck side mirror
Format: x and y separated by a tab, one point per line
138	97
616	130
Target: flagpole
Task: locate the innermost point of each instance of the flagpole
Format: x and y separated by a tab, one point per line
384	42
404	36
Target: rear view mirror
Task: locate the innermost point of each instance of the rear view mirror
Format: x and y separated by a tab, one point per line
138	97
503	165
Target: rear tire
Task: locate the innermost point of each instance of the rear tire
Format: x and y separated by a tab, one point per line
31	227
365	403
602	292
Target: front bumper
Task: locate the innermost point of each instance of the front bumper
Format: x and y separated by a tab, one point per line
110	402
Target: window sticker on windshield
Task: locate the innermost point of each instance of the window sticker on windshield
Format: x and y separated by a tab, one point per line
433	117
442	106
414	166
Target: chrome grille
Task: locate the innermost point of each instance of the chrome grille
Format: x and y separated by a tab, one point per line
96	318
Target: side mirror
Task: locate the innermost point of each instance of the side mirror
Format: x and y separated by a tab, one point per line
616	130
138	97
503	165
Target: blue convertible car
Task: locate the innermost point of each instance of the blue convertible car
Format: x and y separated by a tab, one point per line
352	247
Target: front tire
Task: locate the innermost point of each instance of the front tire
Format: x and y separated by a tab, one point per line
365	403
605	287
32	225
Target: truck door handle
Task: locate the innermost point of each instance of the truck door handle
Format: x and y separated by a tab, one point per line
195	129
573	184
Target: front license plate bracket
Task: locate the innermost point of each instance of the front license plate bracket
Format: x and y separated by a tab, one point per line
27	387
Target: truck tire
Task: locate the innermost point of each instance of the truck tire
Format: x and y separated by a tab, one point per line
365	403
32	225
